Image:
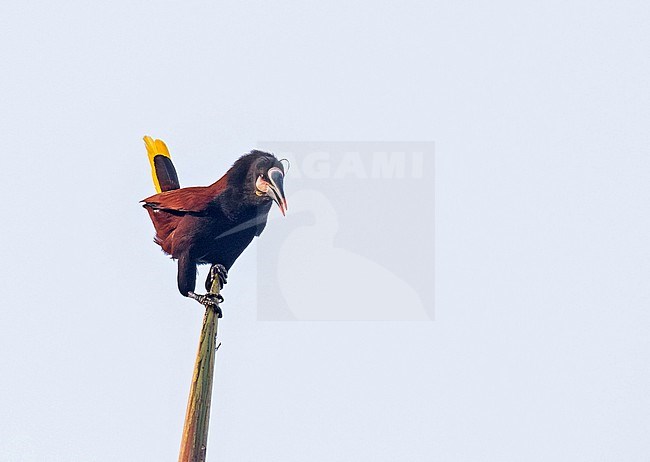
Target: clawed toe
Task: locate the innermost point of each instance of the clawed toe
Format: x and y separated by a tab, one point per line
209	300
216	271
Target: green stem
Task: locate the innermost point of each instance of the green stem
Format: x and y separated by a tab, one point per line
197	419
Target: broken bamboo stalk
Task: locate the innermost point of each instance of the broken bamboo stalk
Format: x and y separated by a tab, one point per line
194	442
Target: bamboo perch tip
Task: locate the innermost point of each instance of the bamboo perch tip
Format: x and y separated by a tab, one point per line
194	442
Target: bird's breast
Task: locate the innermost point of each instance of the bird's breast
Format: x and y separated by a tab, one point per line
223	240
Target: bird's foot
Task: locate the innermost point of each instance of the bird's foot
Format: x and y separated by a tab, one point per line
216	271
209	301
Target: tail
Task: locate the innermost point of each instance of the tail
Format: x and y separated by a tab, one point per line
162	169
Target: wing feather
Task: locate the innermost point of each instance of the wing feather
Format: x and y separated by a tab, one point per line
167	209
195	199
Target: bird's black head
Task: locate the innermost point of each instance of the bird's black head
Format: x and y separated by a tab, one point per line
260	176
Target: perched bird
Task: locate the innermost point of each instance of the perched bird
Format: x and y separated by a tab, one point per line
211	224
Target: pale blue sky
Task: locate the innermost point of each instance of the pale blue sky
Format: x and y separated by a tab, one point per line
540	114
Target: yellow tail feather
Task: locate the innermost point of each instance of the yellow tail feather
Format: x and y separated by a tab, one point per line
155	148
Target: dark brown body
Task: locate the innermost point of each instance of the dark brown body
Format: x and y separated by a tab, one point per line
211	224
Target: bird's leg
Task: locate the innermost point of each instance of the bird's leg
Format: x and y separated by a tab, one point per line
187	280
218	274
208	300
219	271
